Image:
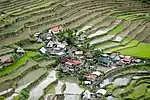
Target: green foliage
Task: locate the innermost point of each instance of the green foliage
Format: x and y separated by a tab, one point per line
60	75
38	57
57	59
117	30
82	73
24	95
68	36
2	98
63	88
145	1
18	97
142	50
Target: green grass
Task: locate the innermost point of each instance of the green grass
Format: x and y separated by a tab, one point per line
139	91
125	41
142	50
106	45
117	30
131	44
148	92
51	90
125	16
17	64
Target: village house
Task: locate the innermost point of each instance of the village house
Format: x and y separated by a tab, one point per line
105	61
97	73
8	60
78	53
61	46
60	54
136	60
110	98
20	50
37	34
127	59
87	82
70	51
86	95
39	40
81	40
73	49
70	64
101	92
50	44
73	62
91	77
56	29
49	36
65	43
88	55
68	68
43	50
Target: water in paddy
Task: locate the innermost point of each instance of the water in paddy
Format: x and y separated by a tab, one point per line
72	90
70	79
5	86
58	88
38	90
31	76
121	81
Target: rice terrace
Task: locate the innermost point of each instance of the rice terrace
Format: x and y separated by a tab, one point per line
74	49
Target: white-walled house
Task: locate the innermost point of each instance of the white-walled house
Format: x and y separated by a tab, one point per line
36	34
97	73
20	50
43	50
79	53
50	44
101	91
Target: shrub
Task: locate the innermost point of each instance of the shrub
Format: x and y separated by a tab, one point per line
63	88
25	93
2	98
38	57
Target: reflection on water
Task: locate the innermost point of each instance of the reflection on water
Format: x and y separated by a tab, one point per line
38	90
58	88
72	91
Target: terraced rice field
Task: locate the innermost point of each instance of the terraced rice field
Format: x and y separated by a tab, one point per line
132	84
113	26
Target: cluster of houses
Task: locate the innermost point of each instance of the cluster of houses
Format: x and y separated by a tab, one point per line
73	59
115	59
53	46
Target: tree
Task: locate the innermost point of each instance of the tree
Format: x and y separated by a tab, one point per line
2	98
68	36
